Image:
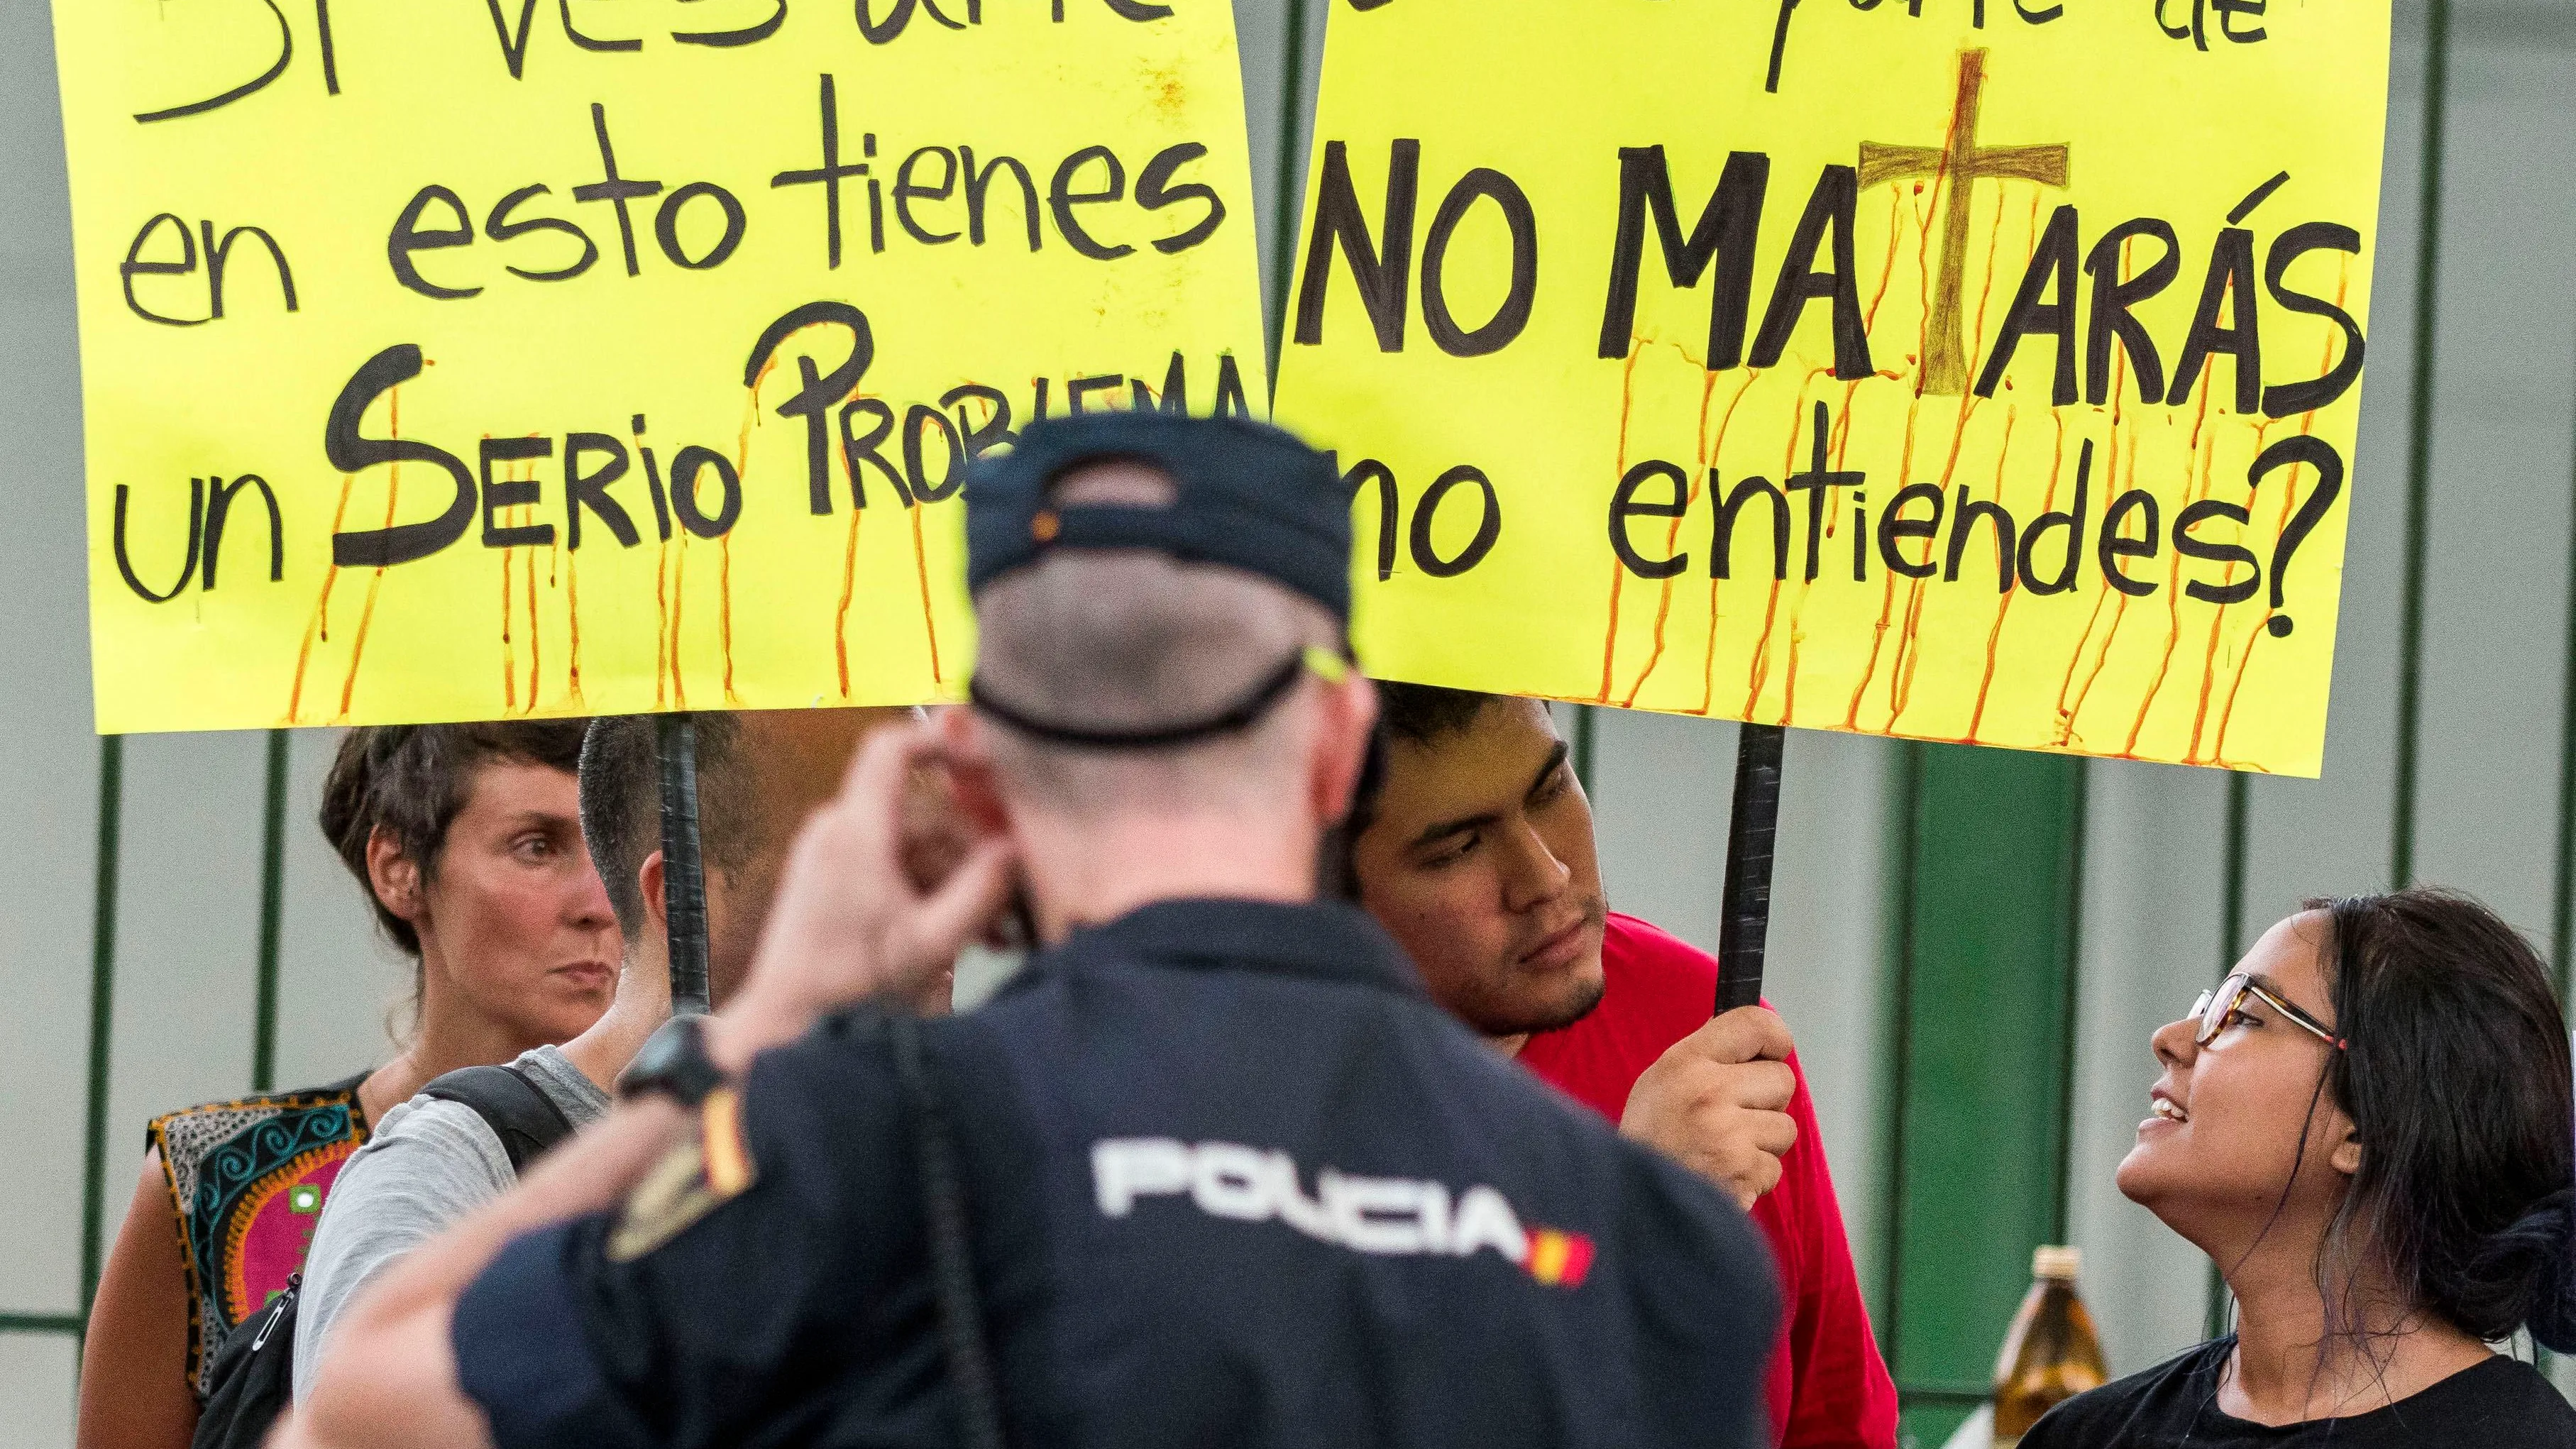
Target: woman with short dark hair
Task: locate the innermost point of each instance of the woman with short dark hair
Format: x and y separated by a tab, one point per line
2367	1127
467	839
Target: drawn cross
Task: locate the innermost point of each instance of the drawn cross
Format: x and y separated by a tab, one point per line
1960	166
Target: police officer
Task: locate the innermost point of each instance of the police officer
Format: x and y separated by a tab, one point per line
1211	1171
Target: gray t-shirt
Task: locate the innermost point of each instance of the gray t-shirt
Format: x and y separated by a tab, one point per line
429	1163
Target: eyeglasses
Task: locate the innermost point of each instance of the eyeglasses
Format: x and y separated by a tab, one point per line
2217	1009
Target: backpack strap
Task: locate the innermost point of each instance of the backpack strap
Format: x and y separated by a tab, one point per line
525	1119
952	1268
252	1377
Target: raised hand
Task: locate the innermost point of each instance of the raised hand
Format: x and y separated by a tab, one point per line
858	915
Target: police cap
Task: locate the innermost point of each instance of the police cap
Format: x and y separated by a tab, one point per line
1247	496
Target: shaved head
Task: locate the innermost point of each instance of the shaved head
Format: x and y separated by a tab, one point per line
1126	639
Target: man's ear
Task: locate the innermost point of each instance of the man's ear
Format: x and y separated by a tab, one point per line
657	906
394	877
970	770
1348	716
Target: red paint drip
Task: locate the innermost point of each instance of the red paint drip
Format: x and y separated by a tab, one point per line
2289	504
1618	575
1714	457
376	580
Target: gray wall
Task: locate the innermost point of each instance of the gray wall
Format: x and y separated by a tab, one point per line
45	863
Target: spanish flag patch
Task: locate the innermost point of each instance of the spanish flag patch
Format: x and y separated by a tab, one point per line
1558	1259
697	1176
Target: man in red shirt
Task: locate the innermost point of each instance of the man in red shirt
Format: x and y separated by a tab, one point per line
1472	844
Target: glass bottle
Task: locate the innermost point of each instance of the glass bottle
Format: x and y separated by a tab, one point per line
2052	1353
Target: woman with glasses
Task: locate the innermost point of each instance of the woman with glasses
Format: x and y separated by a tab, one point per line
2367	1128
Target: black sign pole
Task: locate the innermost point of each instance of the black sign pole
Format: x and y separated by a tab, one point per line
1744	920
684	880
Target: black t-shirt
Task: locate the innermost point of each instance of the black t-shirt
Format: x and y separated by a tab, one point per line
2500	1402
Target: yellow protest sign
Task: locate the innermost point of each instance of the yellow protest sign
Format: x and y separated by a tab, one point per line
1973	370
580	356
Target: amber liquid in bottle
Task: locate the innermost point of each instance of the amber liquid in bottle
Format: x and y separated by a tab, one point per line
2052	1353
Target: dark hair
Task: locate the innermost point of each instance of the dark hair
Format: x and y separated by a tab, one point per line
621	803
1413	714
2457	1083
1421	714
411	781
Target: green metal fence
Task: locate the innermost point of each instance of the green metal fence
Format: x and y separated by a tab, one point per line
102	1004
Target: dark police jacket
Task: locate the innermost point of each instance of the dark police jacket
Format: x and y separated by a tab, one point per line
1234	1180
